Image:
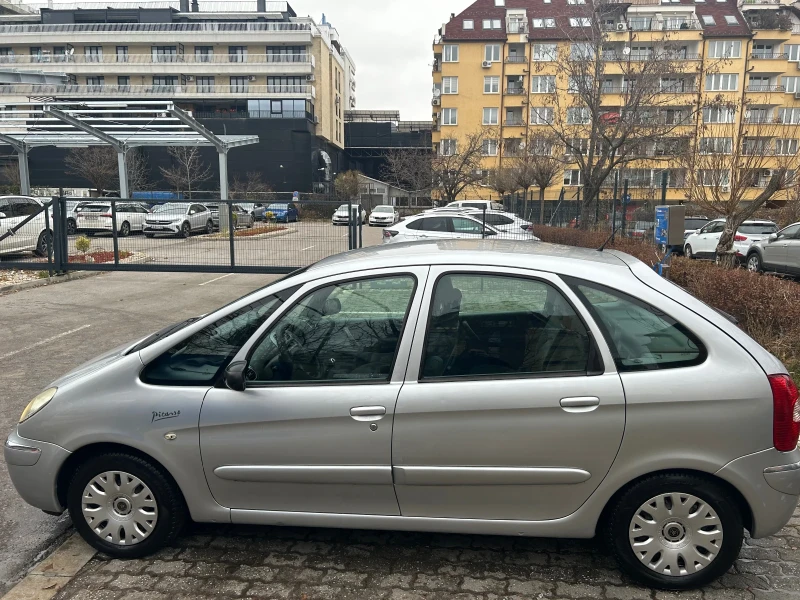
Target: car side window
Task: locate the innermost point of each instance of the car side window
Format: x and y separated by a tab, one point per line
341	332
6	209
489	325
415	225
24	207
199	360
498	220
791	232
718	228
466	226
438	224
641	336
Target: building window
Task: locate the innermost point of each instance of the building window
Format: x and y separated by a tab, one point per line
165	81
572	177
579	115
203	53
205	84
286	85
449	116
450	53
491	85
122	54
499	2
714	177
164	54
93	53
492	53
238	84
449	85
731	20
543	84
448	147
545	52
725	49
237	54
124	82
792	51
546	23
716	145
786	147
708	20
469	24
722	82
490	116
789	115
719	114
489	148
6	55
541	115
580	22
95	83
576	1
492	24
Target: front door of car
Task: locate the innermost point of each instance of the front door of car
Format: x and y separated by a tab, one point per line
434	228
706	241
776	251
312	432
792	264
198	216
512	407
16	211
466	228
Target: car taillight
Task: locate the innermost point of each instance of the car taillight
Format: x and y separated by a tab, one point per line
389	234
786	413
739	238
108	215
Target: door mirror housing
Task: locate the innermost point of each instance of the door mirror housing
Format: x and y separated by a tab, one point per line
2	215
773	237
236	376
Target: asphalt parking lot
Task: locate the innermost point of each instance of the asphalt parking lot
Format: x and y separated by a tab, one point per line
49	330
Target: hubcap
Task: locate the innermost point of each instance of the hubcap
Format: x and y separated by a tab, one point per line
119	508
675	534
752	264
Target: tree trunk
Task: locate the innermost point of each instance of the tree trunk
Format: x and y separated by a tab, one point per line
541	205
726	255
588	210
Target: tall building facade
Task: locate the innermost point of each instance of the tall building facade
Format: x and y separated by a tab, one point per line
252	65
500	65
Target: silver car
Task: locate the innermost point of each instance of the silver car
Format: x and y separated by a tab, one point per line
181	218
458	386
780	253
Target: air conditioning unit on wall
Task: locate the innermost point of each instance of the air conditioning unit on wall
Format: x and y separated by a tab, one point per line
251	78
622	27
190	78
436	102
310	78
486	64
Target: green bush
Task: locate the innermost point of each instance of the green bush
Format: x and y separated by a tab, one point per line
83	244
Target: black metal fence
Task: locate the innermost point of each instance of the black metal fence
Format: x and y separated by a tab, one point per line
213	236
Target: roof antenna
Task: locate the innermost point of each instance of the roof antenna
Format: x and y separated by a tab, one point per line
613	233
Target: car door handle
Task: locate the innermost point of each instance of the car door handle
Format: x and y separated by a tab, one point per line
580	404
368	413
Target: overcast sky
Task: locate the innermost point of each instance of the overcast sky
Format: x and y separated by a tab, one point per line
390	41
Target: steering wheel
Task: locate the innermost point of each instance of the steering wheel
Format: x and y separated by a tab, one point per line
291	340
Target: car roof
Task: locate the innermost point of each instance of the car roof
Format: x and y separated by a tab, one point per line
506	253
749	221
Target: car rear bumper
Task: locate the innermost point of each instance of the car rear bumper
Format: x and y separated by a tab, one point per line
770	483
33	467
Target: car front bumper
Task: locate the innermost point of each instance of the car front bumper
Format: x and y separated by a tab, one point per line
33	467
381	222
770	483
170	228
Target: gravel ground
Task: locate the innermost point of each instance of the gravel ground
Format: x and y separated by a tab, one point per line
14	277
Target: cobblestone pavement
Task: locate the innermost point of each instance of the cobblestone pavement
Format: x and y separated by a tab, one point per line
310	564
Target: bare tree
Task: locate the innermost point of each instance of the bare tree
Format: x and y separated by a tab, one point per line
9	175
96	164
735	166
409	170
613	102
502	181
187	171
348	186
138	167
251	187
458	165
537	165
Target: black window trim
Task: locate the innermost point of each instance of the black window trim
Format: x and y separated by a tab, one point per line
594	361
575	282
388	381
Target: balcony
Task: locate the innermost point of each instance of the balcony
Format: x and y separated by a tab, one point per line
664	25
160	91
513	27
769	56
234	27
516	60
514	91
760	120
514	123
766	88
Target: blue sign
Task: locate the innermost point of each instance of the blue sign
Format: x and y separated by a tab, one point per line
296	196
662	225
626	198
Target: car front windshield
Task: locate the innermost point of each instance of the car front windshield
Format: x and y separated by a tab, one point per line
171	207
278	207
383	209
344	207
758	228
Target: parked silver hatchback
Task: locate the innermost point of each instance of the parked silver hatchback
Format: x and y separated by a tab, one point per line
488	387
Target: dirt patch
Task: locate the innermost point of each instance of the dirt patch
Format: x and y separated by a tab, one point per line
99	257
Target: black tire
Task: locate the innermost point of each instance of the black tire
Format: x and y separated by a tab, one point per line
125	229
687	252
72	227
210	227
754	263
149	235
186	230
706	490
45	238
169	501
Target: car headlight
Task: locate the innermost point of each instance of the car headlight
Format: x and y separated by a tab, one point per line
38	403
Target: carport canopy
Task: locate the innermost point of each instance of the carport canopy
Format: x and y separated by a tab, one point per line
121	125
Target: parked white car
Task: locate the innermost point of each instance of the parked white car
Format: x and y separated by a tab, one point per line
479	204
340	216
181	218
703	244
96	218
33	236
502	221
383	215
434	226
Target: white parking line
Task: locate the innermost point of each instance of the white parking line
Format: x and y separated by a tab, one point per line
217	279
304	249
43	342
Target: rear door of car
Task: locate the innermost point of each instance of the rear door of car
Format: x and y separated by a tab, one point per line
706	241
198	215
512	407
792	265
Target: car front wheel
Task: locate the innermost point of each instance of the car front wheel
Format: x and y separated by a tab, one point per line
125	229
687	252
186	230
675	531
124	505
754	263
44	243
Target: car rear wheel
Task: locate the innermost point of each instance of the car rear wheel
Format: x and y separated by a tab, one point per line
125	506
675	531
754	263
687	252
125	229
210	227
44	243
72	227
186	230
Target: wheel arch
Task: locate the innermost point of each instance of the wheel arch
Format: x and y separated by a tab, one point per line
744	507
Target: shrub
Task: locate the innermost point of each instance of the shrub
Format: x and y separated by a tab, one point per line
645	252
83	243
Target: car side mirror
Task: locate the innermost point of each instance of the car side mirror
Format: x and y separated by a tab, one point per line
773	237
236	376
2	215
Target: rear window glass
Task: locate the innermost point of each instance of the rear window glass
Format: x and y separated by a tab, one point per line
763	228
641	337
97	208
474	205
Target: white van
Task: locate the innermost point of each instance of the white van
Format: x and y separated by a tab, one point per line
33	236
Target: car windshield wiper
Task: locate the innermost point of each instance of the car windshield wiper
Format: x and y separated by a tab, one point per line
162	334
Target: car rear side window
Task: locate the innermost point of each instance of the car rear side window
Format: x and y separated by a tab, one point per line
199	359
641	337
484	325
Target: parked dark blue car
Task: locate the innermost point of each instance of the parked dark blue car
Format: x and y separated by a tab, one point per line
283	212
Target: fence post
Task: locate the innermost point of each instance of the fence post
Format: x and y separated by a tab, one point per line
60	258
483	225
350	225
614	208
360	222
664	187
114	235
50	239
231	231
578	209
625	203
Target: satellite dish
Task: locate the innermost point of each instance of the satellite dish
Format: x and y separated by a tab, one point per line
626	50
437	93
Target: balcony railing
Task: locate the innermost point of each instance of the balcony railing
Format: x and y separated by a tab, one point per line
517	59
157	91
514	123
188	59
234	27
766	88
648	56
663	25
514	91
760	120
516	27
257	114
769	55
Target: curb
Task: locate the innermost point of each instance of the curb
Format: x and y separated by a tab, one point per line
48	577
18	287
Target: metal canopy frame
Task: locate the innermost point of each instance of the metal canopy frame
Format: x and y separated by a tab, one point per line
121	125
